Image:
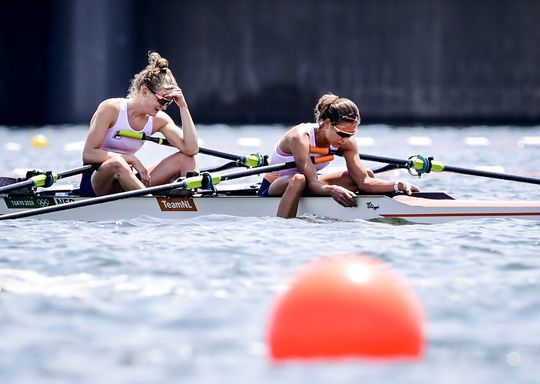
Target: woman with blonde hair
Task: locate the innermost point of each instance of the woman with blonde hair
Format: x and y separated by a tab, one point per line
151	91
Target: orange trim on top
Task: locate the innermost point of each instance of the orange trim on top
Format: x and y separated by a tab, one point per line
319	150
323	159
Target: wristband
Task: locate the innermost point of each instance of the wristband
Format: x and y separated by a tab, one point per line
396	186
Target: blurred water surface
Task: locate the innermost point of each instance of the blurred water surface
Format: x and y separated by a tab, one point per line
148	300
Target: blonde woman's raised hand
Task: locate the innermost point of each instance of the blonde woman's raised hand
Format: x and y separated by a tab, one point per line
175	93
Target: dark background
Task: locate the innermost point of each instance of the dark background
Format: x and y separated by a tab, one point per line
267	61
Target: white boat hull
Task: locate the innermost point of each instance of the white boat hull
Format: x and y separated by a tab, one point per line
370	207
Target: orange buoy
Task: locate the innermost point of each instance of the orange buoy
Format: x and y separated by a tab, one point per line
343	306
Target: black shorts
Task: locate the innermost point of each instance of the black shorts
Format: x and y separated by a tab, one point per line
263	189
85	187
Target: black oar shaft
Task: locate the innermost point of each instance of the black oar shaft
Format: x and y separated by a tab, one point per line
493	175
387	160
257	171
15	186
76	171
163	141
31	182
222	155
447	168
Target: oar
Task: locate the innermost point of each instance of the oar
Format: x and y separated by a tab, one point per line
421	164
204	180
251	161
45	179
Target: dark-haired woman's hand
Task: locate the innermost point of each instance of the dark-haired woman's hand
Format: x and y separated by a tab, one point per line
342	195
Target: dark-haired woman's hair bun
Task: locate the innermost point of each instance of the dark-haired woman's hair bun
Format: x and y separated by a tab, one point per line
336	109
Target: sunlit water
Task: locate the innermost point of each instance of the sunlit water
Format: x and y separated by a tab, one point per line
160	301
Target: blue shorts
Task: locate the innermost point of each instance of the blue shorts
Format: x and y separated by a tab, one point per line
85	188
263	189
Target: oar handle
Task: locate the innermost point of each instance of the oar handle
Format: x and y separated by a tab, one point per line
141	136
322	159
320	150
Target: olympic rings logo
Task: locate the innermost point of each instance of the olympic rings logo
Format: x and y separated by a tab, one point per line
43	202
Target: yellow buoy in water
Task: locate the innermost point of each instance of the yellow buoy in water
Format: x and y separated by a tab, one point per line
39	141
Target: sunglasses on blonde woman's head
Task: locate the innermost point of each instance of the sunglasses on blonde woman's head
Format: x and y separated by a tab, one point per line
162	100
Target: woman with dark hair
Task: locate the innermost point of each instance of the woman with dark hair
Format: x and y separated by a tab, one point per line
151	91
336	122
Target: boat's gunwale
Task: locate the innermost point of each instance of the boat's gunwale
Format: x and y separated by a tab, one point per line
422	208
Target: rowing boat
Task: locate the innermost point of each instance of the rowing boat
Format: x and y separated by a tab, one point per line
241	200
204	194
